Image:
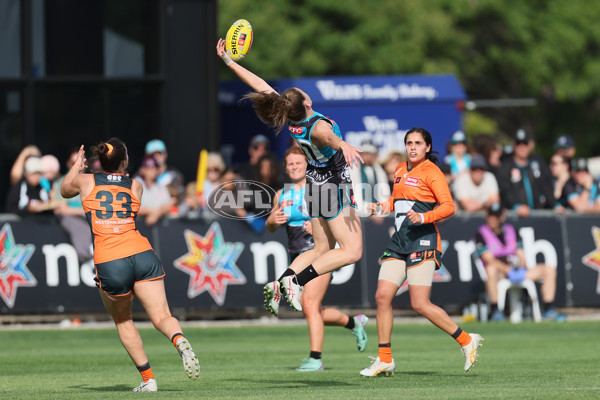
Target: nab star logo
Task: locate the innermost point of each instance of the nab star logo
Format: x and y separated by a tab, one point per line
13	266
592	259
210	262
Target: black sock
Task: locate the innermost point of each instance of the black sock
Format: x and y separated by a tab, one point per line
315	354
385	345
174	336
287	272
350	324
456	334
144	367
306	275
494	307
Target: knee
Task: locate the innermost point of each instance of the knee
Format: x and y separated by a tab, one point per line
354	253
383	299
157	320
420	305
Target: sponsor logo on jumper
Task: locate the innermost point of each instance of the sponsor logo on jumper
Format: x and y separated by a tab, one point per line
592	259
424	242
411	181
211	263
295	130
114	178
13	266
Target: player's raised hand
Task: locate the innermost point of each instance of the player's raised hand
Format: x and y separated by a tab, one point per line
80	163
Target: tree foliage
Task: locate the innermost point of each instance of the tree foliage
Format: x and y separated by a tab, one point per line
542	49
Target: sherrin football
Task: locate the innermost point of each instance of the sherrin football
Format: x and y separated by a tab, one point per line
239	40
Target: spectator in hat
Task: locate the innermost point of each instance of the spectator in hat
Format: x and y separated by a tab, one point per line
565	146
586	198
524	179
168	176
499	248
369	180
458	157
259	147
28	196
478	189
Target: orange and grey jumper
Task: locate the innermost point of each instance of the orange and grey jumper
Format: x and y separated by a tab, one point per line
420	189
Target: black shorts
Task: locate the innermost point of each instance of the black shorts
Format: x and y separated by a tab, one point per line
328	191
414	259
117	277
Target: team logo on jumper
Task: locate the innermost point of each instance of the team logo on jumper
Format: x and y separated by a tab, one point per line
210	262
411	181
592	259
13	266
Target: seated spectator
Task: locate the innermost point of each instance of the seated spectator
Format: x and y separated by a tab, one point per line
478	189
168	176
156	199
28	196
389	163
524	179
564	184
586	198
458	157
501	251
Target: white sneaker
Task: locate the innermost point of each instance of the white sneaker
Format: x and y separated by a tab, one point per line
272	297
149	386
190	361
378	367
293	291
471	351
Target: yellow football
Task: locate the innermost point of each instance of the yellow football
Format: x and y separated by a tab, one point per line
239	40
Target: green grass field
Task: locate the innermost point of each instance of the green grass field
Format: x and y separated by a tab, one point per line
533	361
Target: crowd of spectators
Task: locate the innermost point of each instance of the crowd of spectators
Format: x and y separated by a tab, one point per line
480	170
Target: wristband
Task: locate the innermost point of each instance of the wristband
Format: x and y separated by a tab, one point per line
422	218
226	59
340	144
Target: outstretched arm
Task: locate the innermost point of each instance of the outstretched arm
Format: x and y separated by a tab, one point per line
252	80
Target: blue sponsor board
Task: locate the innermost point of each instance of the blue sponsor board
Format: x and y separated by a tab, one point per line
379	108
222	264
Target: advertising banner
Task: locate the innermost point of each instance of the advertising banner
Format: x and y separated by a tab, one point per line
379	108
223	264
